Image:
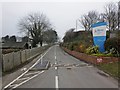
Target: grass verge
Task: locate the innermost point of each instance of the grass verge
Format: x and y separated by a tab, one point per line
111	68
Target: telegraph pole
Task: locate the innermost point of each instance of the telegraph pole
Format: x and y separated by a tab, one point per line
119	15
76	25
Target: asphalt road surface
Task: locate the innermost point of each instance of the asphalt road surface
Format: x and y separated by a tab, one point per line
68	72
0	70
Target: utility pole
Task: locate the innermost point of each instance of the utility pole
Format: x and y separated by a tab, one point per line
119	15
28	39
76	25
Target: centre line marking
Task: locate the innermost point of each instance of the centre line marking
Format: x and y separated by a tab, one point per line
55	58
56	68
56	82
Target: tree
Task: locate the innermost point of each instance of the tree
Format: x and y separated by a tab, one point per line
88	19
5	39
69	35
84	22
50	36
34	25
13	38
111	15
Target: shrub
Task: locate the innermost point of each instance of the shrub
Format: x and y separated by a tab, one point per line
92	50
112	43
71	46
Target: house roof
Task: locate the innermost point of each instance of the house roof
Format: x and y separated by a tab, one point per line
14	44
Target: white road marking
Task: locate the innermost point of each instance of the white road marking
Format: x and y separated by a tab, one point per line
56	68
13	85
23	79
31	73
55	58
28	79
47	65
27	70
56	82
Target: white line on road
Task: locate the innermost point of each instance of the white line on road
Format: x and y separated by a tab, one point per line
55	58
56	68
32	73
23	78
56	82
28	79
27	70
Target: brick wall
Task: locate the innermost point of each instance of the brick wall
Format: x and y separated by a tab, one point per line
90	58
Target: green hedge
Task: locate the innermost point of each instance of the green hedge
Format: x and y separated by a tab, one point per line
112	43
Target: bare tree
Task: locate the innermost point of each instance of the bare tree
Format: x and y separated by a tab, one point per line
85	22
35	24
89	19
111	15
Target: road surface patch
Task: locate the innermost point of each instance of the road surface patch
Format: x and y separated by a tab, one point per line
41	66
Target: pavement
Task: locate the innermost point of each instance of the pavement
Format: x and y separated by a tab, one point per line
65	71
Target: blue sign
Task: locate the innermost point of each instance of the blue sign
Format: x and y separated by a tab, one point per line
99	34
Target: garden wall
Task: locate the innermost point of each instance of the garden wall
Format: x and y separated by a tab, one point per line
91	59
14	59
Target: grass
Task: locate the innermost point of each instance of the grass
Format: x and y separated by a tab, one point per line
111	68
103	55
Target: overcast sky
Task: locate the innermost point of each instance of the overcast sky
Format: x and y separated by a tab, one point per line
62	15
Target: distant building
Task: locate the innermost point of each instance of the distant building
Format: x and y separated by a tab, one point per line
14	45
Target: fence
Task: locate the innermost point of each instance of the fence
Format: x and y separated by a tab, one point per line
14	59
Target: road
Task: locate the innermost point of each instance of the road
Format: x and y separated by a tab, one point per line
0	70
68	72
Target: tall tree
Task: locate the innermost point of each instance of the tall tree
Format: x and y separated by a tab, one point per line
50	36
111	15
88	19
35	24
5	39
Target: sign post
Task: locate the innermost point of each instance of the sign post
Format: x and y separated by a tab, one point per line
99	35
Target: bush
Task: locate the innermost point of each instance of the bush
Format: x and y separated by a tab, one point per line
112	43
81	47
92	50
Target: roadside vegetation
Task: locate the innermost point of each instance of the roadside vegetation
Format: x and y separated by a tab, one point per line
82	41
111	68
